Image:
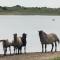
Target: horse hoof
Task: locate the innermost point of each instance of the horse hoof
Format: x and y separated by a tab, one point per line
20	53
51	51
4	54
55	51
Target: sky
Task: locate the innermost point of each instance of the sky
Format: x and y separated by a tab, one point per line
30	25
31	3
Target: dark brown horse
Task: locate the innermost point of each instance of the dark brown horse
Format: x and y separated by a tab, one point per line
23	39
48	39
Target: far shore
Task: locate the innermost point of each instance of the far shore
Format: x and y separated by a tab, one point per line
21	10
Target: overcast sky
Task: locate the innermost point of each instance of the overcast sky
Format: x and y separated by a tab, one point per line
31	3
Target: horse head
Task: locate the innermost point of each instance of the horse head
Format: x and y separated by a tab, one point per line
42	36
24	39
24	35
15	37
40	32
15	34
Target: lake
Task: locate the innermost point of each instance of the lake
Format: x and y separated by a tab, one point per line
30	24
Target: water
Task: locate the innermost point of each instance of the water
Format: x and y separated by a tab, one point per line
29	24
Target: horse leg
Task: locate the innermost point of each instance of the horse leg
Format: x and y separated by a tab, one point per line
18	50
25	49
21	50
14	50
42	48
10	50
5	50
52	47
45	48
55	46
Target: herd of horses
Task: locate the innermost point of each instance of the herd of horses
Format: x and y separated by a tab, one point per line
19	42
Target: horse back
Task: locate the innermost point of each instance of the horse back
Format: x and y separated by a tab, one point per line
52	37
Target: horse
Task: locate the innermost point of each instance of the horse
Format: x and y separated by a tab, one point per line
16	43
24	42
6	44
48	39
19	42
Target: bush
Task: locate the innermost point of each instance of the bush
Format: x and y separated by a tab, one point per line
4	8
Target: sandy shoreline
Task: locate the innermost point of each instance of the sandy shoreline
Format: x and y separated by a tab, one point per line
31	56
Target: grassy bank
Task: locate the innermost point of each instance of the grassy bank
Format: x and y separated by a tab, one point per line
20	10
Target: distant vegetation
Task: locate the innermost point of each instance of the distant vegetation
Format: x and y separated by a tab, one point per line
21	10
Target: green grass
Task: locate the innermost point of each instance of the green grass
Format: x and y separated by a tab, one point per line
56	58
20	10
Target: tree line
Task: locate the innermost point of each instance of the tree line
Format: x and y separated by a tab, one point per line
31	10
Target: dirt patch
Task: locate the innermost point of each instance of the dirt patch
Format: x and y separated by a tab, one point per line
31	56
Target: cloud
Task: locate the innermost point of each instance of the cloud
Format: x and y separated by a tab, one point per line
31	3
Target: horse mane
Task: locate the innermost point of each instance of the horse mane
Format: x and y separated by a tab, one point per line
23	38
43	36
15	37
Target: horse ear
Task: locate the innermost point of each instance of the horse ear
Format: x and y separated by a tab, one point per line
15	34
41	31
25	34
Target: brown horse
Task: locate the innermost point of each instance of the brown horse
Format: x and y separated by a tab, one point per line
19	42
6	44
48	39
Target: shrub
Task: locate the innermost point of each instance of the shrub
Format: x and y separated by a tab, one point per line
4	8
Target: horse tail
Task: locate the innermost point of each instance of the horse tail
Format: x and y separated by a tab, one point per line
58	41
